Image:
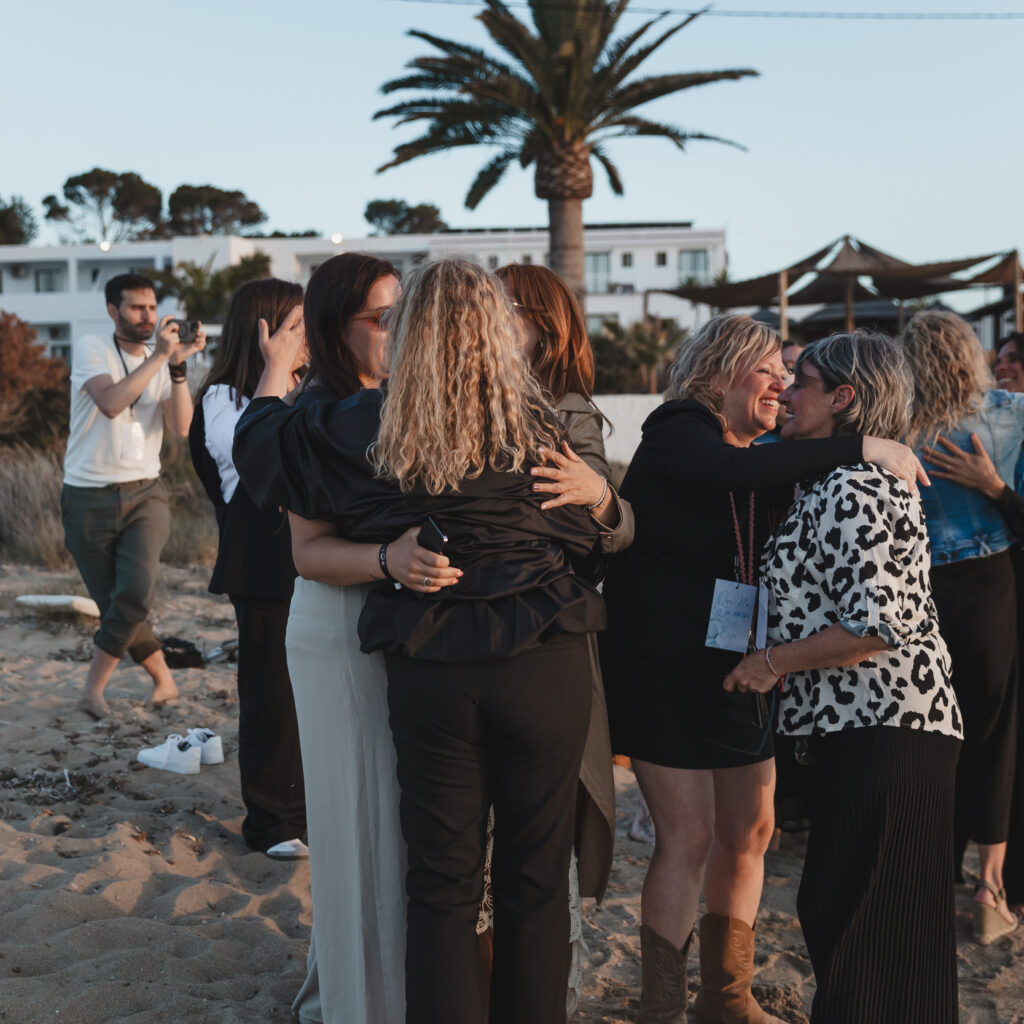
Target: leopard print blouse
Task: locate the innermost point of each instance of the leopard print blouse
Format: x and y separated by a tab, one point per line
854	550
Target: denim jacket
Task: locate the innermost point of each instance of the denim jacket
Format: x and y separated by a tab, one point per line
962	522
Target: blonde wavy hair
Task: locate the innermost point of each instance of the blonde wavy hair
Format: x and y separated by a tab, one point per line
718	353
460	397
951	372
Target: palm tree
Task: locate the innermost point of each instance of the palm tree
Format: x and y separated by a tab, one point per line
563	91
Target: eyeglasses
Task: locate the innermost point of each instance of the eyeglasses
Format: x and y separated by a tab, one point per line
380	317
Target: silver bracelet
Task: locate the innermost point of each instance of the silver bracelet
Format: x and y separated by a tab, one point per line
768	662
599	502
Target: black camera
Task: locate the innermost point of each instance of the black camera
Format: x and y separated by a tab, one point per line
187	330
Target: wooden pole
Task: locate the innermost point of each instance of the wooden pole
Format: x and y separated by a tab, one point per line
784	304
850	282
1018	299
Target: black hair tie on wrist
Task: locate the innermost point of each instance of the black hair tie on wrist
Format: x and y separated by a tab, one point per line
178	372
382	557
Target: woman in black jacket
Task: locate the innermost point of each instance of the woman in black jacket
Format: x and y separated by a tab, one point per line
254	568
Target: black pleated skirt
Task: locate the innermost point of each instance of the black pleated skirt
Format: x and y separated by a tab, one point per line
876	900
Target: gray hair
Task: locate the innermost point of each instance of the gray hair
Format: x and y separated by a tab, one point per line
879	373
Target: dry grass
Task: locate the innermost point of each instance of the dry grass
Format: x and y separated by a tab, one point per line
30	527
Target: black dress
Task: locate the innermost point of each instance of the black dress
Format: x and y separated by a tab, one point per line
666	704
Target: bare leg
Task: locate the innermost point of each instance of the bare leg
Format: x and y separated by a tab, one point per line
744	819
100	670
163	682
682	805
992	856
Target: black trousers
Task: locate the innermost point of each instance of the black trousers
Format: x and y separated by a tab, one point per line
269	756
876	900
977	604
509	732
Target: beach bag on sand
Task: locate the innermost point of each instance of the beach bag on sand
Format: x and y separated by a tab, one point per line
179	653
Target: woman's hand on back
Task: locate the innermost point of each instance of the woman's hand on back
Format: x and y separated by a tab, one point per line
571	479
953	463
897	458
417	568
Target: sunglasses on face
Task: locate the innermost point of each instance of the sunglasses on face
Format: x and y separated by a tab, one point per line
380	317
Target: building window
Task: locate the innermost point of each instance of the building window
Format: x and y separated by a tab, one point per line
50	280
596	270
627	259
61	352
59	332
527	259
492	262
661	259
596	321
694	265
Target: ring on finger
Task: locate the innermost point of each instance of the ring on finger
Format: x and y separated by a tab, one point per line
426	581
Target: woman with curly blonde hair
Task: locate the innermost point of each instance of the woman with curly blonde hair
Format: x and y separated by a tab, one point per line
488	679
973	584
704	497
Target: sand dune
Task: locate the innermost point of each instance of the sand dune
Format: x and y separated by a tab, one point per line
126	893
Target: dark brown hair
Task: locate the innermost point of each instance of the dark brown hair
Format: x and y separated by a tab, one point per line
238	361
335	293
563	362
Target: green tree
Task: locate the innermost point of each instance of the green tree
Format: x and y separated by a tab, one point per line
397	217
205	292
564	88
207	210
107	206
635	359
17	222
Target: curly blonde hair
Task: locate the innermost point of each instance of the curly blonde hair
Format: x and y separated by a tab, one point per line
951	372
720	351
460	397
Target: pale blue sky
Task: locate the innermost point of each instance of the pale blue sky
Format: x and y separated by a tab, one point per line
907	134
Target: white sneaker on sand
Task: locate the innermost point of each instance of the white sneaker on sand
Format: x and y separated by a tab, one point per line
290	849
173	755
210	747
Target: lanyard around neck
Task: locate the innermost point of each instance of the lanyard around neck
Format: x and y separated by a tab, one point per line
131	408
744	565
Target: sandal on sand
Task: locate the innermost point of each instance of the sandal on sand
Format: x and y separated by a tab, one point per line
989	924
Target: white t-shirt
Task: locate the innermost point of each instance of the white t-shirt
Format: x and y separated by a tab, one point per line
220	417
105	451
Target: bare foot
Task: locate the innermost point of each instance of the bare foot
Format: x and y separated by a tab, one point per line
94	705
163	693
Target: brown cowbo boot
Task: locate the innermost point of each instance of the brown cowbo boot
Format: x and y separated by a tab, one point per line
663	968
726	971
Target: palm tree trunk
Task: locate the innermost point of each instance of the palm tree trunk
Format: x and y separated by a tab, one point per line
565	228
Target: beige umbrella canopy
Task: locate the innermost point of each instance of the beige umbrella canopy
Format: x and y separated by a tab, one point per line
837	270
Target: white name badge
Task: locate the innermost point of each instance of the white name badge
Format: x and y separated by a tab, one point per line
133	441
732	614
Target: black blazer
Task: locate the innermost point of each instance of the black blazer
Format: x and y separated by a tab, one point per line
254	555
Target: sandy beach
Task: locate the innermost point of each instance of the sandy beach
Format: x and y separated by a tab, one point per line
127	894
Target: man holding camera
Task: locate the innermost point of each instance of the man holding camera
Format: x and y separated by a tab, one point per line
113	504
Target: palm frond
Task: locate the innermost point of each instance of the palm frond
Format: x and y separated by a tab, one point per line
643	90
614	178
632	127
488	177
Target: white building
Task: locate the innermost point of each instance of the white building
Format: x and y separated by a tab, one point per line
59	289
